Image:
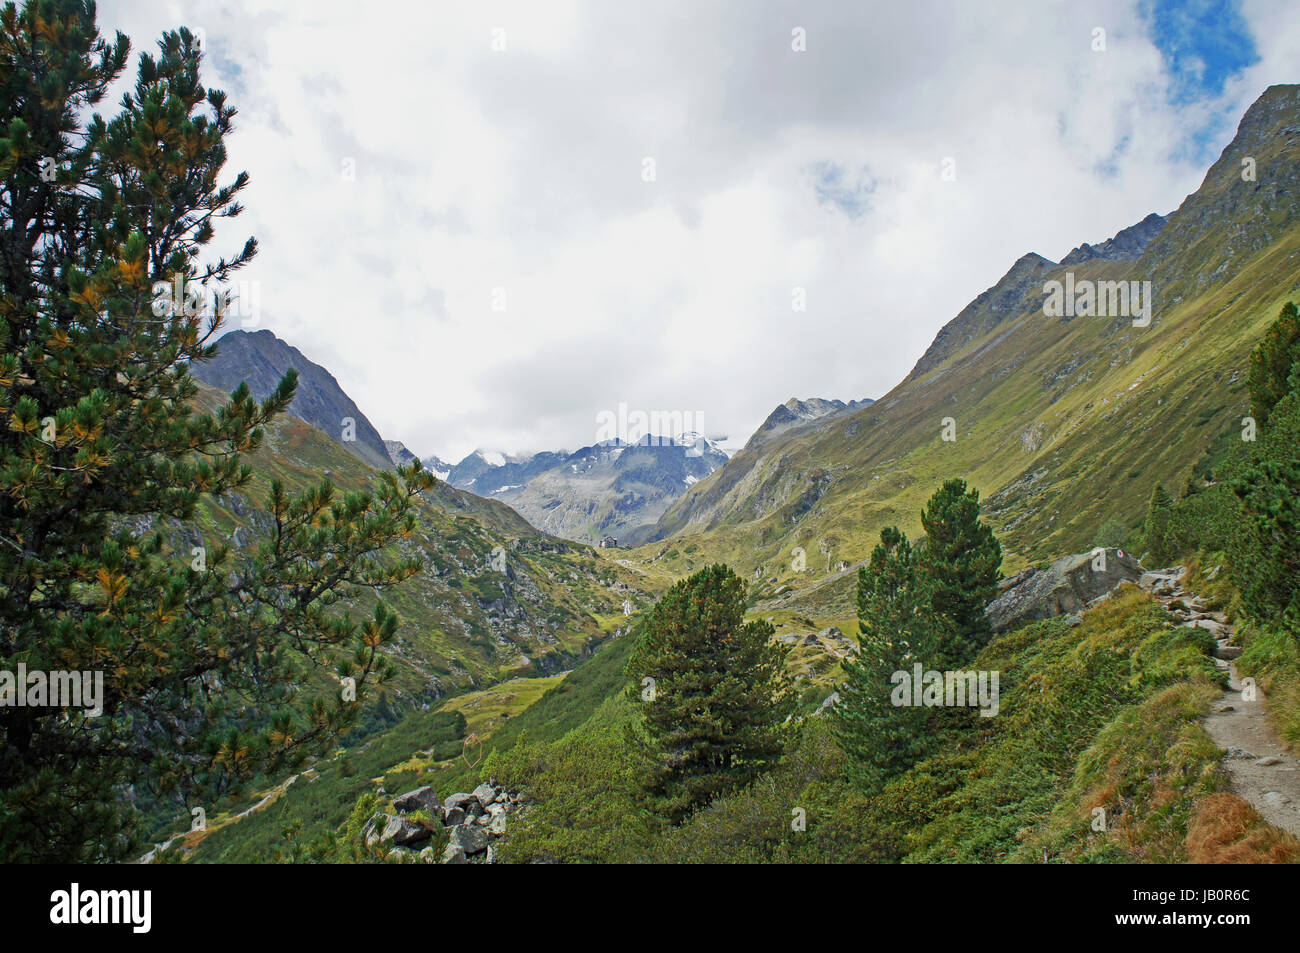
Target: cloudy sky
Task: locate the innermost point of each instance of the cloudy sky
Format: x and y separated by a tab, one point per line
557	207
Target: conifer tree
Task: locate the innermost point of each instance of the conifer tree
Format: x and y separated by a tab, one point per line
1275	364
898	627
1155	530
105	462
961	561
1266	556
719	696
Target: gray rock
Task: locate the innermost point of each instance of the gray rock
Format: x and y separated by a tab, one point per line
469	838
387	828
1216	629
451	816
454	854
1065	587
460	800
486	794
1268	761
1226	652
830	701
421	799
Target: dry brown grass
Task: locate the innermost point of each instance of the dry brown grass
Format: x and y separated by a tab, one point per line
1226	830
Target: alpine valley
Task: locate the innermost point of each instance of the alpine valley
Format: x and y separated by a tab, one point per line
512	684
1037	603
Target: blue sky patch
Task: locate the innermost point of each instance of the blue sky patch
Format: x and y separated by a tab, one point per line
1203	42
833	185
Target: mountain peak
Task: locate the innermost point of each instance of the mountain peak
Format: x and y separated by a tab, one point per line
260	359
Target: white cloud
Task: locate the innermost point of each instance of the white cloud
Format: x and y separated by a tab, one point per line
521	170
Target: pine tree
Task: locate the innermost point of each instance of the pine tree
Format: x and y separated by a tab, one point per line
1155	530
1266	556
204	658
961	560
719	696
1275	364
898	628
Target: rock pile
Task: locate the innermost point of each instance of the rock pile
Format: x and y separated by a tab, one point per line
1191	610
473	821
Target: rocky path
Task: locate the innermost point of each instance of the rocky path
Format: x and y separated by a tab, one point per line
1261	770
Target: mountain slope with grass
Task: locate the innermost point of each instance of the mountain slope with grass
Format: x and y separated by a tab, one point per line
497	599
1064	423
261	359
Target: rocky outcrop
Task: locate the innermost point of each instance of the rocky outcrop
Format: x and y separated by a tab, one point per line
795	412
830	640
1066	586
473	821
1127	244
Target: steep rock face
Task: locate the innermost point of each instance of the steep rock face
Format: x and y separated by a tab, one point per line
398	453
1065	587
1128	243
261	359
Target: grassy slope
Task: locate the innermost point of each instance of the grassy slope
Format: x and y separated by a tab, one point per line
1105	714
562	601
558	605
1062	424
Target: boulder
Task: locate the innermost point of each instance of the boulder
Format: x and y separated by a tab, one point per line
1160	579
469	838
836	642
460	800
421	799
1216	629
1223	650
454	854
1064	587
486	794
451	816
387	828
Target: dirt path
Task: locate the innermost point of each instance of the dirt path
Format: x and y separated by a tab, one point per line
1261	770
